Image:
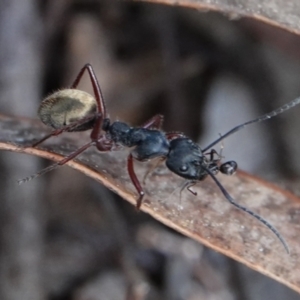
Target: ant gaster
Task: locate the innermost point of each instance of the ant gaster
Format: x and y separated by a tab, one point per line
74	110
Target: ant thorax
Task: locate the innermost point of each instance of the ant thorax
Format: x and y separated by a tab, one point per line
147	143
68	106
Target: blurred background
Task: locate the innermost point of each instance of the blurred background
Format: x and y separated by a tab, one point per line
65	237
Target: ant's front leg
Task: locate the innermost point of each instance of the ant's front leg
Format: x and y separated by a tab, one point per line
211	154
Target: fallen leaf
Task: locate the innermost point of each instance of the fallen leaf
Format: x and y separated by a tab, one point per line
207	217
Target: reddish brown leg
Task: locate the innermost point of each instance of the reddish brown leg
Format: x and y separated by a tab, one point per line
60	163
135	181
75	153
154	122
96	88
99	98
65	129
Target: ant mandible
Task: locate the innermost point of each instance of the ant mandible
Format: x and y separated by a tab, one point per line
75	110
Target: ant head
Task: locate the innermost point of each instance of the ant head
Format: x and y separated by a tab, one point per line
185	159
229	167
68	106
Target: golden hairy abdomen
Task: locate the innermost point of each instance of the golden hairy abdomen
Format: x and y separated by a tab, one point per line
65	107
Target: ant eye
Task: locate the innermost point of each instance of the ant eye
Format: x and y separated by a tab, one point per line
183	168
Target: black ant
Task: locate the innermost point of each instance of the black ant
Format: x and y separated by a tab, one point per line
74	110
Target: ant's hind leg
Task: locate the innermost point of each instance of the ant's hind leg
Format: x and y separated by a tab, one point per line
135	181
67	128
60	163
96	87
99	98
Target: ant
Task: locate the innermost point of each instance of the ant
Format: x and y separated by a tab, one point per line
75	110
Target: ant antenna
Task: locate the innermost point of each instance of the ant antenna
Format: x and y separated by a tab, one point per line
267	116
245	209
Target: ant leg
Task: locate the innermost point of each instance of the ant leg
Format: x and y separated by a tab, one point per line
99	99
189	188
211	153
188	185
154	166
135	181
154	122
96	88
67	128
248	211
60	163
